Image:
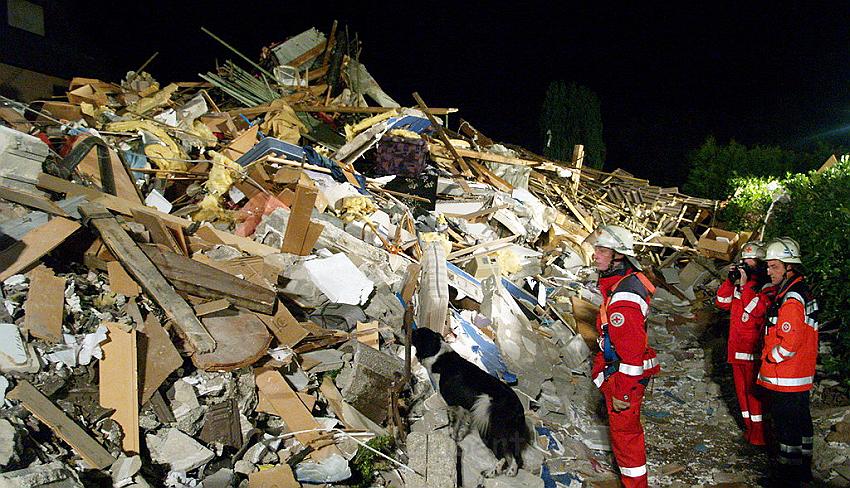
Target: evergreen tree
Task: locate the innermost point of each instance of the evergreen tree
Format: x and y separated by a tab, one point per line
570	116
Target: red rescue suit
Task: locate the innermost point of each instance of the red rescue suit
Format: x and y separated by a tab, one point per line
621	322
787	370
747	307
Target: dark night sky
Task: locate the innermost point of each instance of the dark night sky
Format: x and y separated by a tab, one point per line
667	75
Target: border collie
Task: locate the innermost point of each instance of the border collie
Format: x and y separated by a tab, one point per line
495	409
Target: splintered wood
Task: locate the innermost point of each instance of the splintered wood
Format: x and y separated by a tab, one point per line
160	358
119	379
45	308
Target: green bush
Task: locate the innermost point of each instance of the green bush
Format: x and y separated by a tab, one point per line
817	215
746	208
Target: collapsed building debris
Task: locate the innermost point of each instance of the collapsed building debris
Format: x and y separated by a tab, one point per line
204	283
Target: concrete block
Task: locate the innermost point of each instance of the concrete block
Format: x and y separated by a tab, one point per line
369	387
435	457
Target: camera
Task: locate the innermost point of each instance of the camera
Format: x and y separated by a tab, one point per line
735	273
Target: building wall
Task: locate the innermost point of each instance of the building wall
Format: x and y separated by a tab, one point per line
27	85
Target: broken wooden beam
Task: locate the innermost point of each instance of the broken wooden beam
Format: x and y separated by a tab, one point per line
202	280
66	429
147	275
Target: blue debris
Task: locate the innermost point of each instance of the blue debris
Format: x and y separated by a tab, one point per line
550	480
656	414
486	349
678	400
554	445
701	448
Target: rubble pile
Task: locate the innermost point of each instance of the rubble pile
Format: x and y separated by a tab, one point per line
213	283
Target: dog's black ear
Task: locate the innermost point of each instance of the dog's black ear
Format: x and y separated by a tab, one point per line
426	342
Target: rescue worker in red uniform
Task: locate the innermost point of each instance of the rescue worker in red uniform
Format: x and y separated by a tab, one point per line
741	294
788	362
622	368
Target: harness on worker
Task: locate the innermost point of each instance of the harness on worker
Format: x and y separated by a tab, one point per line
609	353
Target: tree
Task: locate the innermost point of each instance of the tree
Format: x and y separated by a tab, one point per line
713	166
570	116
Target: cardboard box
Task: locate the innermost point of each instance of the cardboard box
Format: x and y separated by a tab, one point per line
718	243
88	94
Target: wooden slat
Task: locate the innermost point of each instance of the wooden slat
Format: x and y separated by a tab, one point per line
124	207
35	244
202	280
290	408
119	383
148	276
159	232
66	429
30	200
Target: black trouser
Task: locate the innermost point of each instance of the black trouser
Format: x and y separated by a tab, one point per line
792	421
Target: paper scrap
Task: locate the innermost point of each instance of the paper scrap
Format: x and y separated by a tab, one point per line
157	201
91	345
339	279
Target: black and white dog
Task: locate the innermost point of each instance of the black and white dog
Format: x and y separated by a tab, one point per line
495	409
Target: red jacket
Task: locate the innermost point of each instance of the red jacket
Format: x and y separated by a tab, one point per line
747	307
791	343
626	305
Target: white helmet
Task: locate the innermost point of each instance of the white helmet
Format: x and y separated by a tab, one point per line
783	249
615	238
753	250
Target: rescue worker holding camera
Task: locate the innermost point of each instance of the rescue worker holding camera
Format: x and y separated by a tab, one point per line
788	361
625	363
741	294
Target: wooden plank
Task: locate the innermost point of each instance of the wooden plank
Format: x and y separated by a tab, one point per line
294	240
159	232
124	207
462	252
441	151
279	476
286	329
441	133
205	281
578	162
66	429
212	307
35	244
367	333
159	358
250	246
308	55
119	381
354	110
411	281
120	281
45	305
30	200
290	408
148	276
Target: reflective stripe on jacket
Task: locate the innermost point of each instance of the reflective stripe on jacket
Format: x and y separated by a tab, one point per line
622	320
747	307
791	340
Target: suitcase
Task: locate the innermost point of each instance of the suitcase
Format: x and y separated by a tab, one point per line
401	156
